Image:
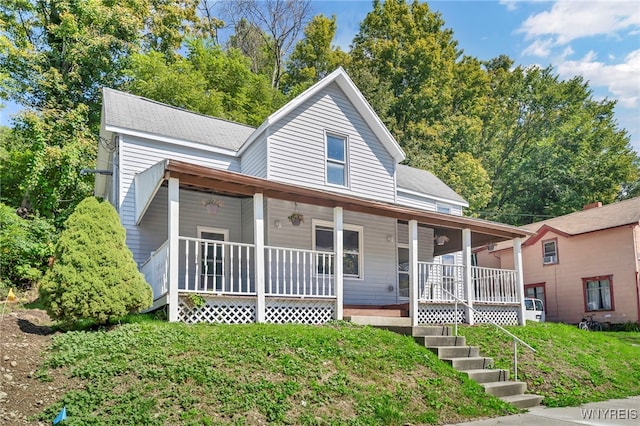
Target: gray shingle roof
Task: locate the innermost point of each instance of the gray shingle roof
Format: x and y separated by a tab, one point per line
127	111
625	212
425	182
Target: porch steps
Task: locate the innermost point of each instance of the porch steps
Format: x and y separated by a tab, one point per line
467	359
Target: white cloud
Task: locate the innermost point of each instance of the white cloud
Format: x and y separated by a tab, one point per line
568	20
509	4
539	47
622	80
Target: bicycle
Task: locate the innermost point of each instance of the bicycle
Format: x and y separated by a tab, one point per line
589	324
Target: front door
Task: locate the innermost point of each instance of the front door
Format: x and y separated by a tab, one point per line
212	258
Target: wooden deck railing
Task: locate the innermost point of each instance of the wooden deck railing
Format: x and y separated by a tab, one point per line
298	273
494	285
156	270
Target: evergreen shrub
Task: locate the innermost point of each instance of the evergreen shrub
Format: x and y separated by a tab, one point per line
94	275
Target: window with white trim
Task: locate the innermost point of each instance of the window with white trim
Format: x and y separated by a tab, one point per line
351	245
549	252
598	293
336	160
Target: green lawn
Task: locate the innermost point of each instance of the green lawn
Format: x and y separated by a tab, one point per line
571	366
160	373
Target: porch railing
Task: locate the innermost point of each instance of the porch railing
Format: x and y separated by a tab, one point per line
494	285
156	270
299	273
434	277
218	267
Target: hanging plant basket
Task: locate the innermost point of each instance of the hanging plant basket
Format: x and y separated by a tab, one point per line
296	218
212	206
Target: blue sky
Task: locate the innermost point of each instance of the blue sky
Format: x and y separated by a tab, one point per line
599	40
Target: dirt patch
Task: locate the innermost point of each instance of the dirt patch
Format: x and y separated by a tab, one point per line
24	336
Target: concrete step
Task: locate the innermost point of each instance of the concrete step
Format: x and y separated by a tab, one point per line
377	321
441	340
483	375
526	400
455	351
433	330
469	363
507	388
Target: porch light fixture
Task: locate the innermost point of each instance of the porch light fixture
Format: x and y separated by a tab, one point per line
277	224
441	240
390	238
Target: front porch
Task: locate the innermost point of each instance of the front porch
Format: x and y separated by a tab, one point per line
215	277
217	283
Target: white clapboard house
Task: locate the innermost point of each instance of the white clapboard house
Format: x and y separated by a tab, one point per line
307	218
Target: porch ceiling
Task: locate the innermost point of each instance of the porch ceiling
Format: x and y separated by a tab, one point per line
234	184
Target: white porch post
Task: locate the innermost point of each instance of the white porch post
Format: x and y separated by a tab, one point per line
413	272
173	209
338	265
258	240
468	279
517	262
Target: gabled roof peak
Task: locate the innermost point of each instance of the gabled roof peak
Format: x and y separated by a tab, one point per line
340	77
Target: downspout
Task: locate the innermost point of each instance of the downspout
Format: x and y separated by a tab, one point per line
636	253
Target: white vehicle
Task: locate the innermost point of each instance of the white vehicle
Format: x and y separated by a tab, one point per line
533	310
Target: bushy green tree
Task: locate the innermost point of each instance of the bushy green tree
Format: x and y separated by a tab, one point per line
94	275
25	246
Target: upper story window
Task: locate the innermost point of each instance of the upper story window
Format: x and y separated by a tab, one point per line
336	160
443	209
549	252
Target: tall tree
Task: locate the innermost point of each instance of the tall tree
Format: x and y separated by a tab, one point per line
208	80
549	147
314	56
55	55
281	22
409	67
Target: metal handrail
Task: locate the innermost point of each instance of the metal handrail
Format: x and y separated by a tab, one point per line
516	339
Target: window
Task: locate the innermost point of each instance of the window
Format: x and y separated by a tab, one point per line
535	291
443	209
598	293
336	160
352	247
549	252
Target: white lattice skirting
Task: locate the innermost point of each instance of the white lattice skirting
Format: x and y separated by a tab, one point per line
429	313
500	314
306	311
218	310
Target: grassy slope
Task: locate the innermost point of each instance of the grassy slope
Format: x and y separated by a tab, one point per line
159	373
570	366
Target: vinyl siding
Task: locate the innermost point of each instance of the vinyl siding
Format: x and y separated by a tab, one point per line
137	155
414	201
379	255
425	241
254	159
153	229
297	148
